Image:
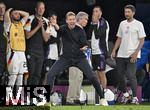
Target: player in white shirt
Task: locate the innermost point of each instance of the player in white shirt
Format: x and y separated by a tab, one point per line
130	40
98	33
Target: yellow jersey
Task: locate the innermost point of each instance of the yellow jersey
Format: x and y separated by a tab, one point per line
17	37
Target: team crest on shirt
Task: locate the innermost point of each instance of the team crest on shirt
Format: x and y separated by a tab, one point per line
127	30
16	34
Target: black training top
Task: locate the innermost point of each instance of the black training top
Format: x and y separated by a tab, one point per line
35	43
100	33
72	41
3	41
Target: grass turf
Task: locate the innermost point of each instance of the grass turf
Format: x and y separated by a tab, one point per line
115	107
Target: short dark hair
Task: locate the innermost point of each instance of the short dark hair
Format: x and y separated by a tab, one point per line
38	3
52	13
97	6
131	7
12	10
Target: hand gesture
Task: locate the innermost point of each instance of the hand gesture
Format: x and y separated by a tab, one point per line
40	23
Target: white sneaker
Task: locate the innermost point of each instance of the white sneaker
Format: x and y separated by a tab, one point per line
103	102
44	104
135	101
41	104
97	104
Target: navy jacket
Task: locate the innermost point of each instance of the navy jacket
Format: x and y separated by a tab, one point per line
100	33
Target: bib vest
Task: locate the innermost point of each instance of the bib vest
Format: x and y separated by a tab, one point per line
17	37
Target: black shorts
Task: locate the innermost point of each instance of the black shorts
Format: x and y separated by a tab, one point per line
99	62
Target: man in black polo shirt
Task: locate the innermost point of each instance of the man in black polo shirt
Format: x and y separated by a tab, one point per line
3	41
74	43
36	36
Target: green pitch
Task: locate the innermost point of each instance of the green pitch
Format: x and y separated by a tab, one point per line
115	107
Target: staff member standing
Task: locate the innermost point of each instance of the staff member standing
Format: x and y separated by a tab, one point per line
51	47
99	40
3	42
130	40
36	36
98	33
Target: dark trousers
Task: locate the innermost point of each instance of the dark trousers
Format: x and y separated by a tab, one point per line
2	62
48	63
63	64
35	64
3	68
126	68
